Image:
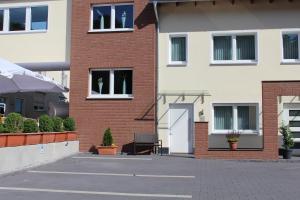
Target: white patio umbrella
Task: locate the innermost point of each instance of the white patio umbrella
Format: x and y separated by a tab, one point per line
14	78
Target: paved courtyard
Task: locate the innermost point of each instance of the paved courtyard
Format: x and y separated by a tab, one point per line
90	177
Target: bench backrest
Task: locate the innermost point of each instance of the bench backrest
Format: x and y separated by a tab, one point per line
145	138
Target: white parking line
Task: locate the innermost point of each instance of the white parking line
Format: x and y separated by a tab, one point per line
110	158
96	193
109	174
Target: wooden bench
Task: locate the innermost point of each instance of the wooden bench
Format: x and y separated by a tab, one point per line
147	139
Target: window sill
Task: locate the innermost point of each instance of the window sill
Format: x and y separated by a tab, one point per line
111	30
215	63
22	32
94	97
290	62
177	64
249	132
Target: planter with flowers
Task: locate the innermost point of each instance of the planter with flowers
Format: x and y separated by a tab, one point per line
107	147
233	139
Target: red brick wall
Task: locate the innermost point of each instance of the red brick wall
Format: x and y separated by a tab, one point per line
270	91
136	50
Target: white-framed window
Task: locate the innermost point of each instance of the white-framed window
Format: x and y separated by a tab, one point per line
234	47
290	52
24	19
111	83
235	117
112	17
178	49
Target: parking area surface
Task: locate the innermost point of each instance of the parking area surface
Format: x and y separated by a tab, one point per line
91	177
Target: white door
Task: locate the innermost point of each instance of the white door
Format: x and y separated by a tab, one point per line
181	128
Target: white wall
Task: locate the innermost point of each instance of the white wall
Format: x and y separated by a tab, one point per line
225	83
22	157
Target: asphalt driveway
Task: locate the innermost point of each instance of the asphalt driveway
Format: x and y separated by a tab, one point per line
91	177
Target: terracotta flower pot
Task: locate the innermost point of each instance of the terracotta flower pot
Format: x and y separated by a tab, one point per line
60	137
233	146
3	140
16	140
107	150
32	139
71	136
48	138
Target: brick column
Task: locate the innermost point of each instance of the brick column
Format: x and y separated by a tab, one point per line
201	139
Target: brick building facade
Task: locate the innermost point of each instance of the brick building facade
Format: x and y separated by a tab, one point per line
98	44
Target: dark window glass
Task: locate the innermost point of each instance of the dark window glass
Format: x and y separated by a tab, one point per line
222	48
124	16
19	105
223	117
296	134
123	82
100	82
1	20
294	123
178	45
245	45
290	46
294	113
17	18
39	18
102	17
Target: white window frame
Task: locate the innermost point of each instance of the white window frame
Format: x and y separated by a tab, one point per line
6	19
235	118
112	18
111	94
178	63
234	60
289	31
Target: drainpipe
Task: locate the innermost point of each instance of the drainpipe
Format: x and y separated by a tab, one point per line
157	65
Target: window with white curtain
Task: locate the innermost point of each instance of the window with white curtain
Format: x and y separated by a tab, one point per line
234	48
229	117
111	83
290	46
178	49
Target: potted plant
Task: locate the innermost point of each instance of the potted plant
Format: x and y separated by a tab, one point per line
288	141
233	139
107	147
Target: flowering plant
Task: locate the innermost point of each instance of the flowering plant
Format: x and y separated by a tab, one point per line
233	136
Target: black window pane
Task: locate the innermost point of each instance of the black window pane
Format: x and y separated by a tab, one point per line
245	45
39	18
100	82
290	46
294	113
123	82
296	134
101	17
294	123
17	18
222	48
124	16
1	20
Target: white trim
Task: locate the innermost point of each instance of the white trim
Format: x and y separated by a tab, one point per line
178	63
289	61
111	94
235	117
233	35
112	18
6	20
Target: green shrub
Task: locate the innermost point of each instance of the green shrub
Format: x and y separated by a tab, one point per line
46	123
30	126
3	129
107	138
69	124
57	124
287	136
14	123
